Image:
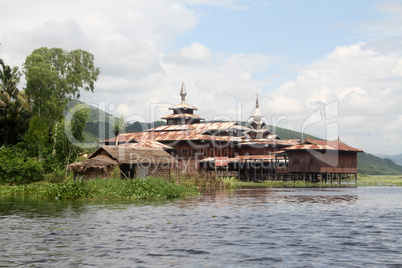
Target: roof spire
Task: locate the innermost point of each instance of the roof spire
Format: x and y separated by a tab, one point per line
257	116
183	92
257	123
256	102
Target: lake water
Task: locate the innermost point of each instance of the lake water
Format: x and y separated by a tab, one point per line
343	227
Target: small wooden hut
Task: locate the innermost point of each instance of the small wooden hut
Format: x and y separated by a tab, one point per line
99	166
132	162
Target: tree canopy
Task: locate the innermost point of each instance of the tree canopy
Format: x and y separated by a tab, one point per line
54	75
15	105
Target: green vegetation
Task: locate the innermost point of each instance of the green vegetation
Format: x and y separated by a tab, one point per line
18	168
290	184
113	188
370	164
379	180
201	180
39	135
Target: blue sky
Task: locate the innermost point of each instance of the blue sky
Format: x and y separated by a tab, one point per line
301	31
306	59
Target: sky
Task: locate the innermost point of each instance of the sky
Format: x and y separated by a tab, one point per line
327	68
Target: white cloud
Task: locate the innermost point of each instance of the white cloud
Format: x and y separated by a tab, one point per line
367	86
195	53
132	42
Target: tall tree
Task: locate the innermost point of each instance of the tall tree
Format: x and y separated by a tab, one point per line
53	76
13	102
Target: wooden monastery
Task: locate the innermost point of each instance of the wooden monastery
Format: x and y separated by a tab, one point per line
249	152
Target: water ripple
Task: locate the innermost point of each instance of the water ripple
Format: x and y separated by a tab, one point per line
245	227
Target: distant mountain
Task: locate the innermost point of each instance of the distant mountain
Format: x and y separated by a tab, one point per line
367	163
373	165
397	159
100	124
98	120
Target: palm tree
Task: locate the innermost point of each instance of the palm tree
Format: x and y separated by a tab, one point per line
12	100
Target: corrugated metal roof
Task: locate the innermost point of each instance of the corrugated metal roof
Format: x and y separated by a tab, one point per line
169	136
243	158
195	132
145	143
182	115
201	127
323	145
258	130
183	105
291	141
171	128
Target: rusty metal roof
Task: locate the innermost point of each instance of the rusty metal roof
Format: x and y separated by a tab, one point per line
154	138
258	130
336	145
183	105
199	131
182	115
146	143
171	128
244	158
169	136
201	127
291	141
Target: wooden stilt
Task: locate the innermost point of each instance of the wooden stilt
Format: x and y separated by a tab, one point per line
255	170
261	170
246	170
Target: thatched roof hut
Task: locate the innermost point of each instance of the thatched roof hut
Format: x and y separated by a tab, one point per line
98	166
132	162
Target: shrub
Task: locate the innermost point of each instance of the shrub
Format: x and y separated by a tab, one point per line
17	168
69	190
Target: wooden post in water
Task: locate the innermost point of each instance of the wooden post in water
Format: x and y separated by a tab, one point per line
246	170
261	170
271	170
238	169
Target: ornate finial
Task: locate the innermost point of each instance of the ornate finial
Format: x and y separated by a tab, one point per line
256	102
183	92
257	116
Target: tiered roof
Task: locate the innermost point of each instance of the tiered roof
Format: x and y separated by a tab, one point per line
183	113
193	130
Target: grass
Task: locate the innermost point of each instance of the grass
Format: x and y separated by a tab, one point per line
289	184
203	180
154	188
362	180
379	180
113	188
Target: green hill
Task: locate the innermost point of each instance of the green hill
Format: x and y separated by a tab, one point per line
373	165
98	120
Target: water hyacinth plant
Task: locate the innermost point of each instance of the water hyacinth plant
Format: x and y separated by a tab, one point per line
149	188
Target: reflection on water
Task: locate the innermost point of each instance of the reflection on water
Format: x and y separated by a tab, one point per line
353	227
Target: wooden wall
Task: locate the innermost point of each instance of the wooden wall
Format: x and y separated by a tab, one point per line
322	162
